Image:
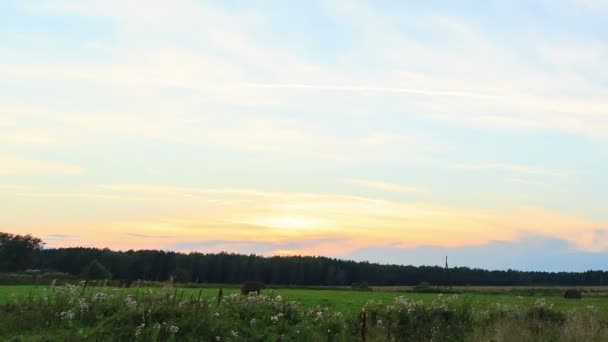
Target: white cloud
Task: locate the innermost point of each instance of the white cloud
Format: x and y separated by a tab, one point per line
507	167
380	185
592	4
192	213
526	181
26	138
11	165
465	75
548	85
367	89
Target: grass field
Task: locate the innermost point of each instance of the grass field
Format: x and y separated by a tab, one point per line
154	313
348	301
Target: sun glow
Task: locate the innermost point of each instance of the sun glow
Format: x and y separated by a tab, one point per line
290	222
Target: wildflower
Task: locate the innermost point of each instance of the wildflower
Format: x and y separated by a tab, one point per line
130	302
82	304
217	338
279	298
542	304
173	329
252	322
379	322
217	314
67	315
234	333
99	297
139	329
274	319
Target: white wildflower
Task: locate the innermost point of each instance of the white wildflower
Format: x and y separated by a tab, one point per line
99	297
139	329
130	302
67	315
543	304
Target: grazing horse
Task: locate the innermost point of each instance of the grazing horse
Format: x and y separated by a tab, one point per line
573	294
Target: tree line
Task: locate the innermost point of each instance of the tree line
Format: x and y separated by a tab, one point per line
19	252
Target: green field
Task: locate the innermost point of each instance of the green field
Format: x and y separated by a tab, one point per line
348	300
167	313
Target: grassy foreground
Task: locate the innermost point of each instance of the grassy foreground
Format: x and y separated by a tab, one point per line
346	300
76	313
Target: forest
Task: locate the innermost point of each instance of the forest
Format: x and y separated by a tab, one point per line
22	252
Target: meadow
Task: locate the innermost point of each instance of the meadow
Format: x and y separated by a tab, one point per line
75	313
346	300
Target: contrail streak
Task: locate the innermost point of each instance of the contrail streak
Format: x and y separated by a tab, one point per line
426	92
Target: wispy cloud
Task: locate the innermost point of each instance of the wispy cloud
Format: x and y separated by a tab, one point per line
241	102
370	89
526	181
385	186
194	214
12	165
528	252
26	139
506	167
59	237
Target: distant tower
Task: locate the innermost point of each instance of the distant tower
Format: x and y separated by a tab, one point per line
447	274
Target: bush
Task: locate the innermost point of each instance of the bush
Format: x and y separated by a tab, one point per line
41	278
361	287
96	271
423	287
181	275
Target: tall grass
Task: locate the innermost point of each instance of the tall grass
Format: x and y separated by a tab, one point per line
77	313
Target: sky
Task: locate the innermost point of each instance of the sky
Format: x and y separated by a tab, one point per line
389	131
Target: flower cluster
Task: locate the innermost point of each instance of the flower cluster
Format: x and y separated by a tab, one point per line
541	303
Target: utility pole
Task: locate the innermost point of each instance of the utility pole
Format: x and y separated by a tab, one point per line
447	274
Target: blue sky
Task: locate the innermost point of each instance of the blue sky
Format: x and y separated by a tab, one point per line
380	130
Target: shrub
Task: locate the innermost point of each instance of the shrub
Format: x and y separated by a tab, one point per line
96	271
181	275
361	287
423	287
